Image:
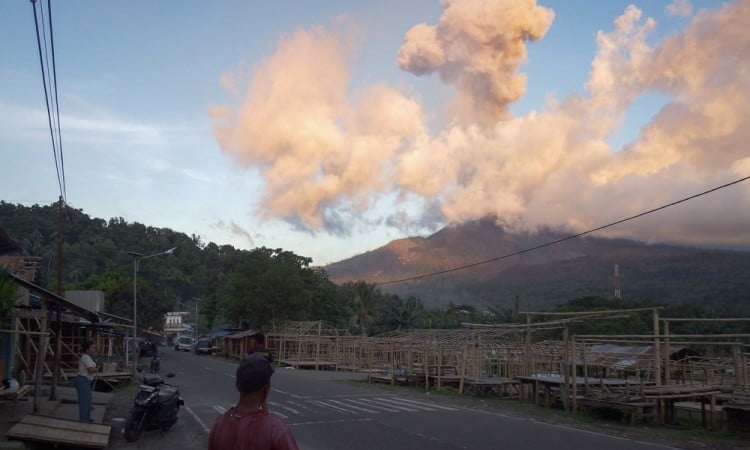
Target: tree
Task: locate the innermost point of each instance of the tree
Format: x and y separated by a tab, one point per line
364	298
7	295
396	313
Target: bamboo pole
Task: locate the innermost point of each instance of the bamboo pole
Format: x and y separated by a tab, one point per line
566	375
463	369
667	374
574	376
40	357
585	370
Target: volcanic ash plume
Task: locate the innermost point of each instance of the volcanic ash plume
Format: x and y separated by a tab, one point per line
478	47
316	148
328	156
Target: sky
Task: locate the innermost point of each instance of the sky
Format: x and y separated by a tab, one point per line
330	128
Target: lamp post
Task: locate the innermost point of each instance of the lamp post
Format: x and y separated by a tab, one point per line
137	258
196	300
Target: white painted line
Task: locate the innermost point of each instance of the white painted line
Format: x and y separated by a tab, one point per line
286	393
198	419
394	405
300	405
278	405
323	422
220	409
371	405
321	403
230	375
349	405
431	405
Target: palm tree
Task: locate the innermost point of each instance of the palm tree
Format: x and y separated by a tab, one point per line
363	305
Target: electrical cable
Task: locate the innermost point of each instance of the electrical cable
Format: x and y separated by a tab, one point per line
53	124
567	238
57	103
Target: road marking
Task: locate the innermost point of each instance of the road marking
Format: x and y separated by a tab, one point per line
279	405
230	375
355	407
321	403
286	393
300	405
431	405
391	405
375	405
220	409
323	422
198	419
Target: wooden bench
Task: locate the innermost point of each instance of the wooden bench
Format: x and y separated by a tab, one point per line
59	431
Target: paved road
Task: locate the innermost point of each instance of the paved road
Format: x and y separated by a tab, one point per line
327	414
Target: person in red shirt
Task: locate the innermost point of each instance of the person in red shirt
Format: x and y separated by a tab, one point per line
248	426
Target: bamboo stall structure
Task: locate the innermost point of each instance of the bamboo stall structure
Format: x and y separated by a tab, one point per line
542	361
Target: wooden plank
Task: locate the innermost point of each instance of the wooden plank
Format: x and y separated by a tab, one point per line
58	431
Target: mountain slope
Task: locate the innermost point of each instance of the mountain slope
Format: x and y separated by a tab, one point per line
549	275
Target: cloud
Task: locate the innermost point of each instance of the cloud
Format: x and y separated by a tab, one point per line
478	46
234	229
330	155
315	146
680	8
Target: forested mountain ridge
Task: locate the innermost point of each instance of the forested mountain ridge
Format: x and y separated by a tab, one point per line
263	287
543	278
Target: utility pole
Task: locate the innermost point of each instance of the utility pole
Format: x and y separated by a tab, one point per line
196	316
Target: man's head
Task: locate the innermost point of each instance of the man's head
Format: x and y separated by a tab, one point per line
88	347
253	374
259	340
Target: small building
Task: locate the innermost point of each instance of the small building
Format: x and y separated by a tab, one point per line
174	327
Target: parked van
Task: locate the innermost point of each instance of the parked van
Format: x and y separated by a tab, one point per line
203	347
184	344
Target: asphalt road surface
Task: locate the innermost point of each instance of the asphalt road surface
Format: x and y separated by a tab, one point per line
326	413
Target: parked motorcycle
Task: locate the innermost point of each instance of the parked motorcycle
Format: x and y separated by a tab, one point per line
155	407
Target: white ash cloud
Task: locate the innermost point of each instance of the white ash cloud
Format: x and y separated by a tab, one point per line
478	46
326	152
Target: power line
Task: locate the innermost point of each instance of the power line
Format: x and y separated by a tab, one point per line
53	110
567	238
57	103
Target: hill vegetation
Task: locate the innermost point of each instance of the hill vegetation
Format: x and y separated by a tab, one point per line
263	287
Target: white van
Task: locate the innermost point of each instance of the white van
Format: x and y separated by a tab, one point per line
184	343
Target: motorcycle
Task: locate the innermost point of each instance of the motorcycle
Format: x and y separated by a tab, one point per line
155	406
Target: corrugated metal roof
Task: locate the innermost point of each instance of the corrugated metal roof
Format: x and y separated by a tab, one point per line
79	311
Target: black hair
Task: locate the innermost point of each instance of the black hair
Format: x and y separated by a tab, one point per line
86	345
259	338
253	373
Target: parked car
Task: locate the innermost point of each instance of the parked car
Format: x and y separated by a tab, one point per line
203	347
184	344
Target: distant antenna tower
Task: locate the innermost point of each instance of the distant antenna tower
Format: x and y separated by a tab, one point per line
618	294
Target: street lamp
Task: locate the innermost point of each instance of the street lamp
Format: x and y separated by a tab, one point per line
196	300
137	258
